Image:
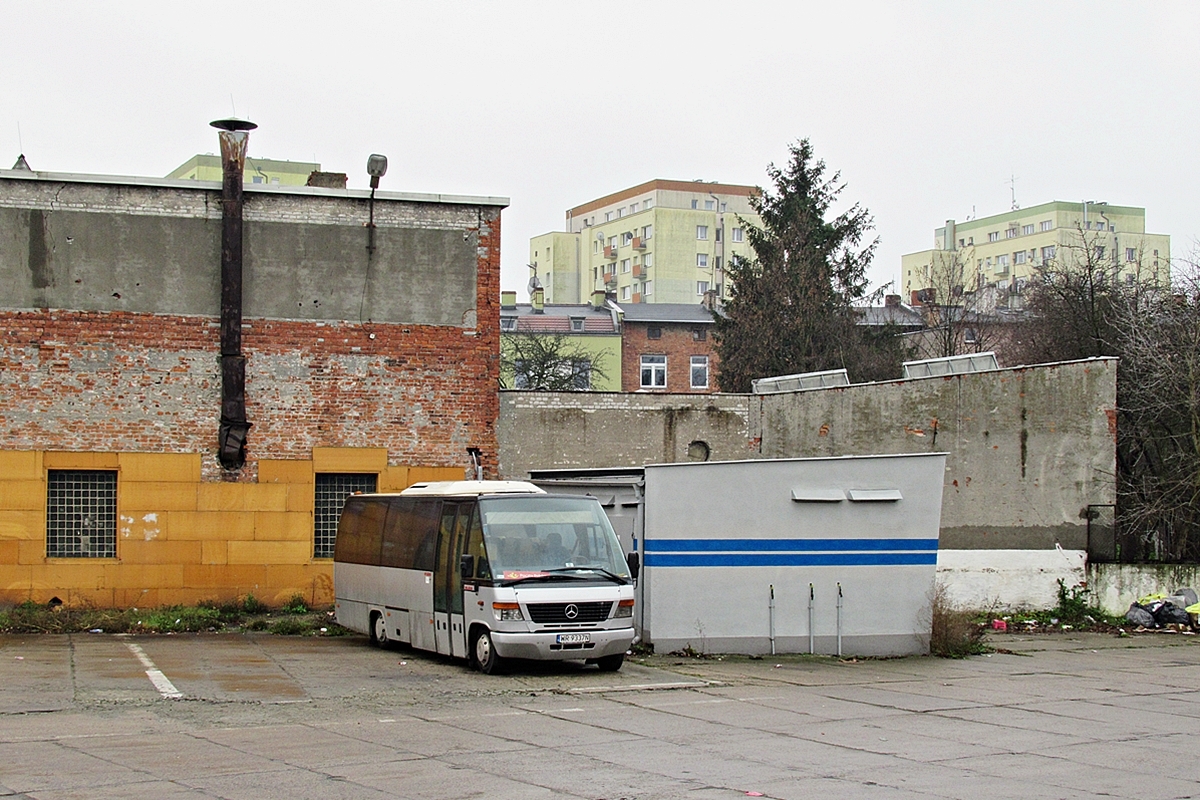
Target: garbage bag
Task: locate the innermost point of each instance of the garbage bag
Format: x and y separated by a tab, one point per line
1146	600
1138	615
1169	613
1194	608
1189	594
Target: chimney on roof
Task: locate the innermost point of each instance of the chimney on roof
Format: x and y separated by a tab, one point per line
508	300
327	180
538	300
598	298
891	300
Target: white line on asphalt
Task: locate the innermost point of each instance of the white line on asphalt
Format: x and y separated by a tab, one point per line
164	686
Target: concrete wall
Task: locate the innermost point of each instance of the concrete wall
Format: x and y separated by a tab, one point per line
1115	586
1027	448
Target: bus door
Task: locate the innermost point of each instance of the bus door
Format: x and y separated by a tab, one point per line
447	580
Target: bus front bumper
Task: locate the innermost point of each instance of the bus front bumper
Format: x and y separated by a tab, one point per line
563	645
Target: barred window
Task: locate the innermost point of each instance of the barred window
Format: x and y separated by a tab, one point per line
81	514
332	490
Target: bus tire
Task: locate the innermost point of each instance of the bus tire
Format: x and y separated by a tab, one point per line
610	663
483	653
378	630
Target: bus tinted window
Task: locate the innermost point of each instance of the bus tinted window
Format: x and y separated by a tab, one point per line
409	524
360	532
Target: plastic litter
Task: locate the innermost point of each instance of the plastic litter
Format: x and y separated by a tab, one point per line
1140	616
1189	595
999	625
1171	614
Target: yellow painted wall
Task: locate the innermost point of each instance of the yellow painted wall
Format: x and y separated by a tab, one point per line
180	539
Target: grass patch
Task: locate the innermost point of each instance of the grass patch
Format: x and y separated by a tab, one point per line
297	619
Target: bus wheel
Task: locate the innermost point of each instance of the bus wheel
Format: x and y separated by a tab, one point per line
484	653
379	636
610	663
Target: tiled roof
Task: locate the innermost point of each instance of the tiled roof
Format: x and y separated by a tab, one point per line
667	312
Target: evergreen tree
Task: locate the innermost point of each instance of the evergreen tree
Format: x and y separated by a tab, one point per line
791	308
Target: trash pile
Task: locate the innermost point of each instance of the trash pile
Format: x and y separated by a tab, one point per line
1180	608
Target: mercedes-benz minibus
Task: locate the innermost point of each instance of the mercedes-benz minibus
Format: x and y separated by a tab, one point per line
485	570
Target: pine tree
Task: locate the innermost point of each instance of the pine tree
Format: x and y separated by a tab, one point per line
791	308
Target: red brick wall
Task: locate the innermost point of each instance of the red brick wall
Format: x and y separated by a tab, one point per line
677	343
121	381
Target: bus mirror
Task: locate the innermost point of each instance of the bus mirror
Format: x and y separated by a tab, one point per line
466	566
635	563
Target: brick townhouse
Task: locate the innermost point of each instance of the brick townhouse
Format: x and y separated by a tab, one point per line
667	347
144	462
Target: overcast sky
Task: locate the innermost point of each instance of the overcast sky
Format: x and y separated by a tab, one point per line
927	109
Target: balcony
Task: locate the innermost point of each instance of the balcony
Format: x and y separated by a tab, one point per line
637	297
638	270
610	252
610	278
639	243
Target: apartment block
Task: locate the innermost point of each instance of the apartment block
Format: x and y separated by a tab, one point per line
1001	252
659	242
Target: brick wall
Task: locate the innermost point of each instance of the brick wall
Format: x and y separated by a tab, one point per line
678	343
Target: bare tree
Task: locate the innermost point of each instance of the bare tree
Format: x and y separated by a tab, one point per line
959	307
550	362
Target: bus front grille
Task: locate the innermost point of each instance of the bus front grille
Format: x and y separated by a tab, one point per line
569	612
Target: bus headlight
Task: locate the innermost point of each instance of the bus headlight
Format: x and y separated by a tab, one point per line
507	612
624	609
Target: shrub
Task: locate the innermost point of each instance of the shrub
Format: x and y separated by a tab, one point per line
252	605
954	634
296	605
291	626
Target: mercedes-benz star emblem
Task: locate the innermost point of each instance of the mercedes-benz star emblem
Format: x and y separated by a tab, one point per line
571	611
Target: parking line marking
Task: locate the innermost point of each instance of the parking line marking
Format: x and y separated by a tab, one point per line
160	681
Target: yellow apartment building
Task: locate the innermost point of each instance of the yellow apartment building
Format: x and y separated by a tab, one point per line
260	171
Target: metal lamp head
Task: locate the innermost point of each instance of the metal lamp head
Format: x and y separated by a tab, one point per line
376	168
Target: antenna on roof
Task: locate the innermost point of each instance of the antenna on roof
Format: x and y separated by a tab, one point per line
1012	182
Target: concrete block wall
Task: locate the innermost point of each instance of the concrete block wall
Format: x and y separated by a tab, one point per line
181	539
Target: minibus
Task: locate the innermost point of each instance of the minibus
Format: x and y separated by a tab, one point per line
487	571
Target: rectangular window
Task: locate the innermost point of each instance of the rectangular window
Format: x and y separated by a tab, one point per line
699	334
1019	257
332	489
695	203
1130	254
646	204
1011	233
626	239
699	372
595	247
717	235
962	243
625	265
508	323
633	209
701	231
647	232
1099	252
620	213
738	234
576	324
654	372
1002	260
701	287
1047	224
648	288
608	216
624	292
648	260
1026	229
994	236
81	513
702	260
1047	253
653	332
708	205
723	208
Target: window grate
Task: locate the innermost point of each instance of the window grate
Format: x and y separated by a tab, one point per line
81	514
332	490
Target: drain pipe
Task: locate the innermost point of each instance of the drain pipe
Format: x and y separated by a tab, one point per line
811	639
771	616
231	434
839	619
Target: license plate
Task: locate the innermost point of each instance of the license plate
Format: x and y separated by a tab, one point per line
573	638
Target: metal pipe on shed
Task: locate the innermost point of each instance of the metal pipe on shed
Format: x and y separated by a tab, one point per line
771	617
839	619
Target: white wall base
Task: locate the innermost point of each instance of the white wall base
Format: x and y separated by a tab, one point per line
1004	579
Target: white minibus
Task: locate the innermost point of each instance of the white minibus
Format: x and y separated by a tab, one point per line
485	570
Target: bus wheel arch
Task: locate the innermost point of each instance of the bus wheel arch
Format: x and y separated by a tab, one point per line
482	652
377	629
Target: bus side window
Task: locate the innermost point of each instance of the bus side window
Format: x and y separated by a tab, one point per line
476	547
426	515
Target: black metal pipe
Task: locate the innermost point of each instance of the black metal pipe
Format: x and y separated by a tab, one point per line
231	434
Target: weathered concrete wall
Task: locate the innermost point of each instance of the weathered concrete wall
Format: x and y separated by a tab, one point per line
154	249
542	430
1028	449
1008	579
1115	586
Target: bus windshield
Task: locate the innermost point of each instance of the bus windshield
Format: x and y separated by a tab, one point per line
543	537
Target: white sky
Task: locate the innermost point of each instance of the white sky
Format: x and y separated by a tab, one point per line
926	108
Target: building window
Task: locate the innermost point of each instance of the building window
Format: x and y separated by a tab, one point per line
709	205
1047	224
1019	257
1026	229
1002	260
576	324
81	513
738	234
620	213
508	323
633	208
624	292
695	203
1011	233
722	208
1099	252
1047	253
701	287
331	492
648	288
654	372
595	247
699	334
994	236
647	203
701	231
626	239
608	216
625	265
699	372
962	243
647	232
1130	254
648	260
702	260
653	332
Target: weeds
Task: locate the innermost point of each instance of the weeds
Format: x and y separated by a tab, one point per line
296	605
252	605
300	620
954	632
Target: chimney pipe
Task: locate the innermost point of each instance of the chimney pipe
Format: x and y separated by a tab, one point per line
231	433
